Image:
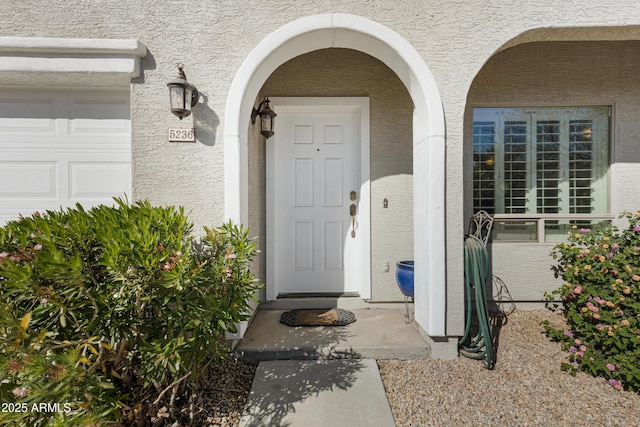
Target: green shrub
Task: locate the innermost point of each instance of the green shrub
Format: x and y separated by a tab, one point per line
101	309
601	302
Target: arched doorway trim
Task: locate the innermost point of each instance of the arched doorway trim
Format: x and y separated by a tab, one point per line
354	32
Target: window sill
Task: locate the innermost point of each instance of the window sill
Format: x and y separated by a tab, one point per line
538	227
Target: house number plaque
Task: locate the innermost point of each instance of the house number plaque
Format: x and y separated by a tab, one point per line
182	135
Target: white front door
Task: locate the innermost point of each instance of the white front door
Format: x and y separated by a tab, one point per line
318	225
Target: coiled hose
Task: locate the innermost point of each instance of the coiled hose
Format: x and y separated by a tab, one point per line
476	274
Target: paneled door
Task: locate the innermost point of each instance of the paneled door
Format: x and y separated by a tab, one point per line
315	206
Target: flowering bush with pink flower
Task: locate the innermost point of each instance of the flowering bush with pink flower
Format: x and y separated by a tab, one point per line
601	302
114	311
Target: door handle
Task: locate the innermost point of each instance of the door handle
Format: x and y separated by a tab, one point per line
352	212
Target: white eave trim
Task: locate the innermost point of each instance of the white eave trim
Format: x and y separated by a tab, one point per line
92	58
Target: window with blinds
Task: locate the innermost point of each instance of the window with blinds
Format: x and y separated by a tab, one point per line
484	136
516	160
541	160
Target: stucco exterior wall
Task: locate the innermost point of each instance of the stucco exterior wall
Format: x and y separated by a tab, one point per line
562	74
212	38
345	72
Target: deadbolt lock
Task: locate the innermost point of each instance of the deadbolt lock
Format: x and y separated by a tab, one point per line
352	196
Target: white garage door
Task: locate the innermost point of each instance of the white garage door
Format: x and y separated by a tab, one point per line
62	147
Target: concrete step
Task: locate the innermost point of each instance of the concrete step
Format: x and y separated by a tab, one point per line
377	334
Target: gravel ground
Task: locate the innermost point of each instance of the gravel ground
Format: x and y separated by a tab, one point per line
526	388
223	393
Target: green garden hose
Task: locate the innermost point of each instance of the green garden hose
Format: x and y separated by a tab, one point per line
476	274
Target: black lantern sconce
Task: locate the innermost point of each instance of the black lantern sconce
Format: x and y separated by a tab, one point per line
267	118
182	94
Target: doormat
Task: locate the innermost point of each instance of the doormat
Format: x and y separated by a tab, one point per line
321	317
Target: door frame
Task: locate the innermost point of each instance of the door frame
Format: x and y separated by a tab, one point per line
328	104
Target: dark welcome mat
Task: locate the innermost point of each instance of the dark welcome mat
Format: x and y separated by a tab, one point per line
318	317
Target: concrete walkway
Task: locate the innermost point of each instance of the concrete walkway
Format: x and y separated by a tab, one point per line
325	376
322	393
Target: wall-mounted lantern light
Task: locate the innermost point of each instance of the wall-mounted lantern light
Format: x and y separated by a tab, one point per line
267	118
182	94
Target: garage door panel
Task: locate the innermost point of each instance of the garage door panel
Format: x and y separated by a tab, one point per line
59	147
30	180
98	180
28	117
102	118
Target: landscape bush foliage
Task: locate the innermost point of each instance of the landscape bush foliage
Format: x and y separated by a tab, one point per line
601	302
101	309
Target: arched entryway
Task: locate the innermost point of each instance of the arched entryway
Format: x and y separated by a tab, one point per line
354	32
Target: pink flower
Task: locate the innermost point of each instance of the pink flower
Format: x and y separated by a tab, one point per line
577	341
580	354
636	228
572	349
611	367
3	255
583	348
19	392
587	268
635	277
615	384
615	246
577	290
569	334
625	322
37	247
166	267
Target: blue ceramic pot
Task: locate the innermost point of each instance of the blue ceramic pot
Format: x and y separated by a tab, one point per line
404	277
